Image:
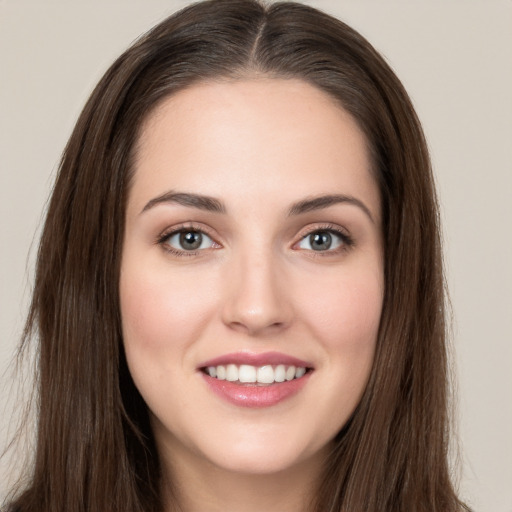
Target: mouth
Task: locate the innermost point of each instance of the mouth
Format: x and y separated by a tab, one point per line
265	375
256	380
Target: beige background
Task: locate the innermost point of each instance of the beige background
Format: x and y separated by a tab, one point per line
454	57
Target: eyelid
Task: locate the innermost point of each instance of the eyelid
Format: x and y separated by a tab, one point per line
184	227
339	231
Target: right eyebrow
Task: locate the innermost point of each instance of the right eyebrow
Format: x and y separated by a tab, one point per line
207	203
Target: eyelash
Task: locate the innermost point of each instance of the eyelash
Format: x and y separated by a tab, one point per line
347	242
184	228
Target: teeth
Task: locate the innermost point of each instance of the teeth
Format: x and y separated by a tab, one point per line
231	372
280	373
251	374
299	372
221	372
265	375
247	373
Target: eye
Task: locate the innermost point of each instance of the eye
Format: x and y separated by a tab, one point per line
324	240
187	240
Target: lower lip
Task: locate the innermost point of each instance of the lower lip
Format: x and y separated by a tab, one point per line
250	395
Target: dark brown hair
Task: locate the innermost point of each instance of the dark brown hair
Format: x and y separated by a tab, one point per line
95	450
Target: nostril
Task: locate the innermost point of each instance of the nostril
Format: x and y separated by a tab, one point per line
253	327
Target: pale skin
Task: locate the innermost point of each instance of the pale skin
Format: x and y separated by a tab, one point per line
262	151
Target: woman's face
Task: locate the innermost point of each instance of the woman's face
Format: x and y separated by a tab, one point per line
252	273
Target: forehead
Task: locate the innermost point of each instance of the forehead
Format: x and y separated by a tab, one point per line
264	134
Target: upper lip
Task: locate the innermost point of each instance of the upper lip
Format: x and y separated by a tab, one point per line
253	359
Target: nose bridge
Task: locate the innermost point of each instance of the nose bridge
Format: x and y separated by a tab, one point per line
256	301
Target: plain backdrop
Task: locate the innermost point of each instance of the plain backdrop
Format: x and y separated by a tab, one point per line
455	59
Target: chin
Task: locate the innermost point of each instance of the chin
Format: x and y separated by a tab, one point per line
263	454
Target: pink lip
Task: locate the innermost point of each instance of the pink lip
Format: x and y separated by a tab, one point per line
250	358
252	395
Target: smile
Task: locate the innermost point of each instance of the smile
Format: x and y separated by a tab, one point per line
263	375
256	380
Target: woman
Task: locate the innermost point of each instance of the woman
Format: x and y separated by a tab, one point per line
239	292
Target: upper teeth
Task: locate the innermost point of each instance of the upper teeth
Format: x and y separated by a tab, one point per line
263	375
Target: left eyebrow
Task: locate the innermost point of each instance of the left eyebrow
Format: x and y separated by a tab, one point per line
320	202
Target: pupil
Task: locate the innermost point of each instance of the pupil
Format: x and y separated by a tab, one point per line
320	241
191	240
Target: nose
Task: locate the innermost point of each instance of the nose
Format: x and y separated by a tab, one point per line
258	301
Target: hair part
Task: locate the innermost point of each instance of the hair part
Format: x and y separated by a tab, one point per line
95	449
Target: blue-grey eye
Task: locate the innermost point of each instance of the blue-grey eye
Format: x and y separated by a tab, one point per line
190	240
321	241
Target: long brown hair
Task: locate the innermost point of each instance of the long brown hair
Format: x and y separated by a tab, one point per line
95	450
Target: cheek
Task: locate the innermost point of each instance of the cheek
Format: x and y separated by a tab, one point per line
342	314
347	313
162	316
345	320
156	306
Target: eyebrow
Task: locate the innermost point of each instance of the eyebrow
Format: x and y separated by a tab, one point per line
320	202
212	204
201	202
